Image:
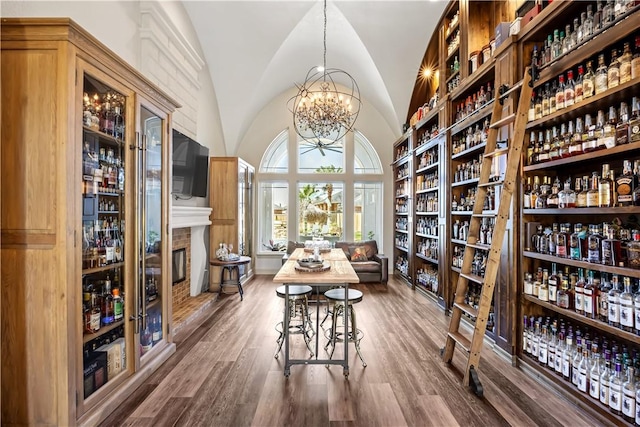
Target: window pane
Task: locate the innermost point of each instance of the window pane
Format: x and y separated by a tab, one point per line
273	215
312	157
320	210
366	160
367	221
276	159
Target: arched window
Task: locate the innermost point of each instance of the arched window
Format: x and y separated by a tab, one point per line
335	192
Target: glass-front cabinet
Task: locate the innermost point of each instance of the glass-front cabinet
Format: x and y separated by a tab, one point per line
123	244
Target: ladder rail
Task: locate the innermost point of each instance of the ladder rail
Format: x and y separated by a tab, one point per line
514	154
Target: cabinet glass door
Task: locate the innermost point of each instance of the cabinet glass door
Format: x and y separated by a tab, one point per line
152	131
104	332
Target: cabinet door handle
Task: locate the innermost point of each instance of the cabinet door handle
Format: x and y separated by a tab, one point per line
143	228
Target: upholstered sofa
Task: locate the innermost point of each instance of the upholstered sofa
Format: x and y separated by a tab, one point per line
369	265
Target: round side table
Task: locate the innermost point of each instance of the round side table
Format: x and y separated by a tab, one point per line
230	267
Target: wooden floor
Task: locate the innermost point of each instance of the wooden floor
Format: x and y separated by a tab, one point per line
224	373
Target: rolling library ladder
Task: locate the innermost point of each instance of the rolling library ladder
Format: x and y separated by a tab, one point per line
513	152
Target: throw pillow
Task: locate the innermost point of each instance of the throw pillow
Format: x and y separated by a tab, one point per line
358	254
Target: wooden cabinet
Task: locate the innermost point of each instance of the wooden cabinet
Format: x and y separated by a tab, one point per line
231	197
85	150
402	217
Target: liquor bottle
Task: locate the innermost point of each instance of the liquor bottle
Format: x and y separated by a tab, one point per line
611	248
626	306
567	197
566	357
553	199
576	243
569	90
560	347
625	64
582	188
635	61
589	140
602	77
552	99
603	298
622	127
598	131
590	297
146	340
118	305
595	372
575	147
565	140
107	304
531	116
156	329
592	192
543	345
608	139
629	390
530	323
545	100
579	293
564	298
553	284
541	199
525	334
636	306
594	243
605	378
578	88
538	105
584	368
588	23
560	93
634	122
576	357
589	81
556	46
535	340
567	42
562	241
535	193
613	73
614	303
543	290
605	188
615	388
554	150
552	346
528	284
597	18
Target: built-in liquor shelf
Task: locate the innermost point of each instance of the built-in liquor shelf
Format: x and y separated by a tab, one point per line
459	242
601	101
428	293
542	24
401	231
427	190
426	258
431	115
456	269
427	168
103	268
402	196
621	210
103	330
472	118
465	182
427	213
462	213
104	138
400	248
402	160
597	324
624	26
403	178
623	271
481	75
113	194
471	150
618	150
428	236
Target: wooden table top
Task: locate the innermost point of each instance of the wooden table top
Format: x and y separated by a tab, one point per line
221	263
341	270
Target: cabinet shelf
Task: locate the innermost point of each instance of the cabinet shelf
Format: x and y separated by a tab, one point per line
426	258
108	212
427	213
401	231
471	150
581	158
402	214
456	269
452	76
462	213
402	196
427	168
104	268
402	160
453	53
103	330
427	190
430	116
465	182
403	178
601	101
452	30
625	210
629	336
623	271
475	116
104	138
400	248
459	242
428	236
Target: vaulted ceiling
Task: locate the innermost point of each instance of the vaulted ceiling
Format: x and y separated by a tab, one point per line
256	50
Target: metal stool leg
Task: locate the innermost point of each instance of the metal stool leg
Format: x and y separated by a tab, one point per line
354	335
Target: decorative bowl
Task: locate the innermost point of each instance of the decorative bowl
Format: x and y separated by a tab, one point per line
310	263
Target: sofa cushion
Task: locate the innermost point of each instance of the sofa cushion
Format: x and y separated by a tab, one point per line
366	267
292	246
358	253
371	247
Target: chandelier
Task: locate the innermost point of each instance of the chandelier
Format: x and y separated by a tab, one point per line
322	112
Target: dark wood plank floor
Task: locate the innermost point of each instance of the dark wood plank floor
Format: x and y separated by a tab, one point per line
224	373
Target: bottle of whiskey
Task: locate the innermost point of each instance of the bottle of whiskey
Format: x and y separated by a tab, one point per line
609	129
614	303
567	197
625	64
636	190
589	140
553	199
575	147
622	127
634	121
611	248
553	284
554	149
562	241
594	244
598	131
635	61
592	193
590	297
582	189
613	73
601	76
625	185
552	98
626	306
577	244
565	139
589	81
579	292
578	85
569	90
605	188
560	93
545	100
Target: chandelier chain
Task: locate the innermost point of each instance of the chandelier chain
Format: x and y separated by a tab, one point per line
324	61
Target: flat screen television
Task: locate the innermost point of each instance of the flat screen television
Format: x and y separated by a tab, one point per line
190	167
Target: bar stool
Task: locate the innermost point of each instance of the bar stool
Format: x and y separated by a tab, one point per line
298	311
334	334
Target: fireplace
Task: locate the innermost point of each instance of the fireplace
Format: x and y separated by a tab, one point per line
179	266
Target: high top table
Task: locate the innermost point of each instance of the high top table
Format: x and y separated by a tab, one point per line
340	273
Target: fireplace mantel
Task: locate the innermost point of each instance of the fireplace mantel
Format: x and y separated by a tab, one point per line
195	218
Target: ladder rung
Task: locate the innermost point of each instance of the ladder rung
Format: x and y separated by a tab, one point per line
480	246
512	89
466	308
491	183
502	122
473	277
498	152
464	342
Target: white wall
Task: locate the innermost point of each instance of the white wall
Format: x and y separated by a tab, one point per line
275	117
